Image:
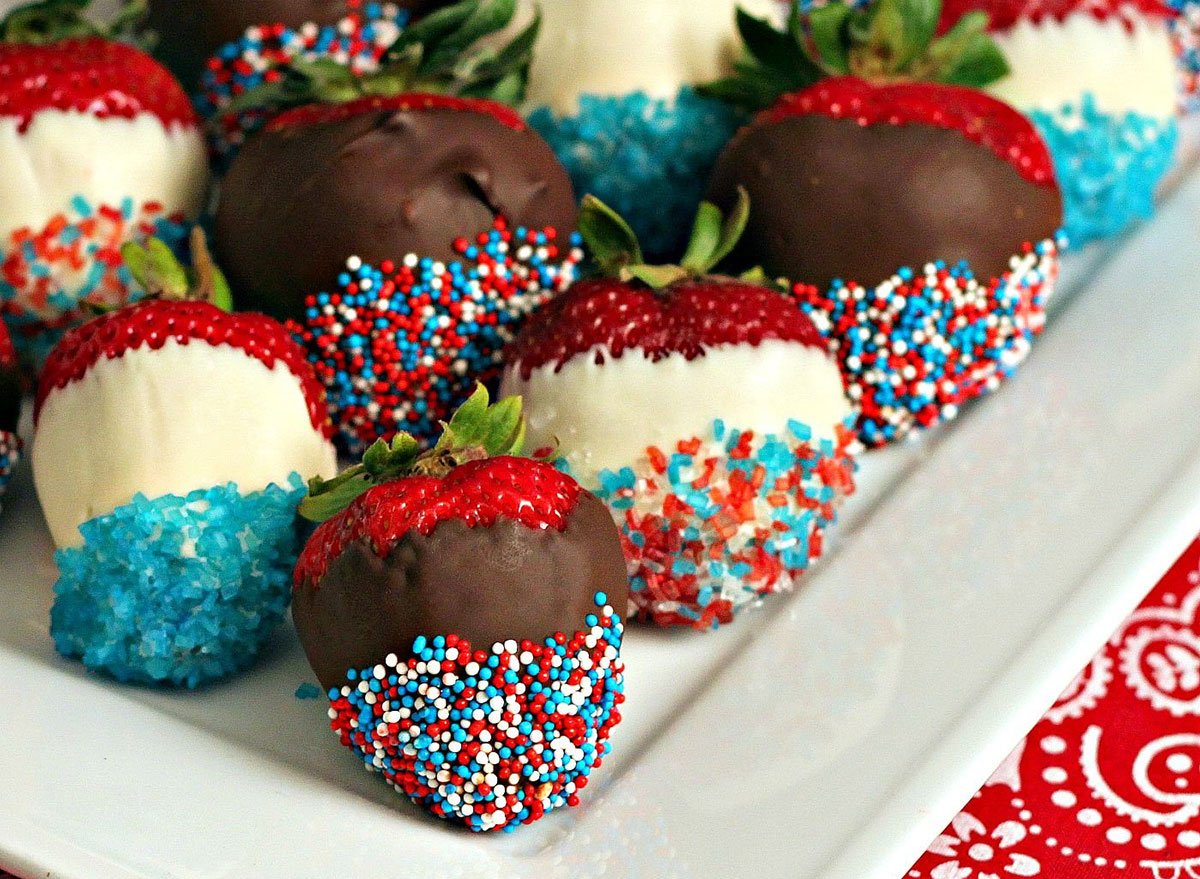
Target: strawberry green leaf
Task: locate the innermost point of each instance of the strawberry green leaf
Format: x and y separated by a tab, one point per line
206	282
375	458
326	499
155	268
901	30
777	62
476	431
757	275
776	51
517	54
706	237
887	40
468	423
714	236
496	430
432	28
858	26
505	429
979	64
440	53
404	445
47	21
745	90
828	27
127	23
732	228
655	276
610	239
488	17
951	44
159	272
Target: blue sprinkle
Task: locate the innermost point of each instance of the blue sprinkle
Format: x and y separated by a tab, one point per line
308	691
1108	166
649	159
130	604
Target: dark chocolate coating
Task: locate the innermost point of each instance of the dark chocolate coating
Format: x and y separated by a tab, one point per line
482	584
299	201
833	199
190	31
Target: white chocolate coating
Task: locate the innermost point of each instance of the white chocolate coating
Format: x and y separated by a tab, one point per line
616	47
171	421
62	155
604	416
1054	63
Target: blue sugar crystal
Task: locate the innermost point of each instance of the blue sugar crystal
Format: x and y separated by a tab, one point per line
649	159
1108	166
178	590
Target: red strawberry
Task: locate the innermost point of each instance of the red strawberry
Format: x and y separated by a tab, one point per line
184	394
686	317
703	409
92	75
104	148
917	218
1003	14
152	323
437	567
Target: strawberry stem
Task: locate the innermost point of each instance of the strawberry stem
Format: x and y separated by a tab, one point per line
52	21
886	41
615	248
160	273
476	431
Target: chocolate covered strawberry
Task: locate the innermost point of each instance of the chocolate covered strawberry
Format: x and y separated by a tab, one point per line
704	410
463	607
171	447
918	220
430	225
98	146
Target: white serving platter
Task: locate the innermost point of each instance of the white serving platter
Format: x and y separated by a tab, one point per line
832	733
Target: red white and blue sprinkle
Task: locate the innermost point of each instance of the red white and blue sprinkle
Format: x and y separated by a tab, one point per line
45	273
917	347
716	523
358	41
490	738
402	344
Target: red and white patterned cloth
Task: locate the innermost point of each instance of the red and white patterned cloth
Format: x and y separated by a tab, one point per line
1108	783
